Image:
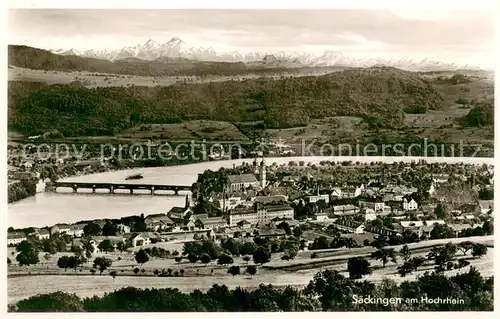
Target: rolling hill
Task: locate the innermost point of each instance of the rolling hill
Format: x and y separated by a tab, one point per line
379	95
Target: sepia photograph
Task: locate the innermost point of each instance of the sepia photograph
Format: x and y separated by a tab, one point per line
250	160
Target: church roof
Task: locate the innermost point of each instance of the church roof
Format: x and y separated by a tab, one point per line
243	178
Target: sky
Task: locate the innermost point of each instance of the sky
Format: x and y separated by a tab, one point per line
444	35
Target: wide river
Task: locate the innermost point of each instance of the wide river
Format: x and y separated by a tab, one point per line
46	209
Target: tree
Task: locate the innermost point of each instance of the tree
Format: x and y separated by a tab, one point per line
349	243
205	258
320	243
440	211
136	270
234	270
358	267
225	259
92	229
409	236
248	248
384	254
53	302
441	231
333	290
465	246
49	246
417	262
182	272
297	232
405	253
63	262
8	261
262	255
251	270
479	250
25	246
285	227
156	272
246	258
169	271
109	229
106	245
485	194
290	253
113	274
231	245
87	247
405	269
141	257
28	257
237	234
178	259
442	255
488	227
102	263
192	258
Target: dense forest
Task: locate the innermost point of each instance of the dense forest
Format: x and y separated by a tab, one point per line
327	291
379	95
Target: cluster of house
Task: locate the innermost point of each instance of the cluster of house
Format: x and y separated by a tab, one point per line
77	232
182	222
424	228
246	207
377	200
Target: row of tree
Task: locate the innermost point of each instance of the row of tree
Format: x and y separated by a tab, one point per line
327	291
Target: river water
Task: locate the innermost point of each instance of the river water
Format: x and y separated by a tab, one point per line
46	209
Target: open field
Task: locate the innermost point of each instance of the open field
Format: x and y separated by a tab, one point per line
95	79
199	276
191	130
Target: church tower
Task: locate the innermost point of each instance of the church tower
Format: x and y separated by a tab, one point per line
262	174
189	200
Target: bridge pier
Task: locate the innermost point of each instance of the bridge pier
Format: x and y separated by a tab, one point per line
93	188
111	190
131	191
176	191
152	190
75	188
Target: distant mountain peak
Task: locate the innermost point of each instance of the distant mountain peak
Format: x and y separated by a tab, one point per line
150	42
270	58
177	48
175	40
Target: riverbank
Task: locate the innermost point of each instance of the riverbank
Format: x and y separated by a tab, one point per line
71	171
21	190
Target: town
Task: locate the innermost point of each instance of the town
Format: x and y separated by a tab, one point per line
331	205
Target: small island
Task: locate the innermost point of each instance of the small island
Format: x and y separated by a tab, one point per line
136	176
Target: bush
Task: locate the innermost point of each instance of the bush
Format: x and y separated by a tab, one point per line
462	262
416	109
53	302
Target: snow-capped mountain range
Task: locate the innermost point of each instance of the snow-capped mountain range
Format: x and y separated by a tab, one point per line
176	48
